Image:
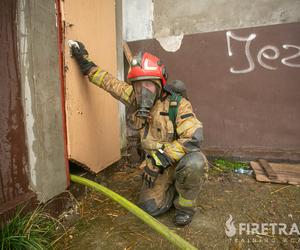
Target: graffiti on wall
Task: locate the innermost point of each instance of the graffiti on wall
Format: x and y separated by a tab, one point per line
267	52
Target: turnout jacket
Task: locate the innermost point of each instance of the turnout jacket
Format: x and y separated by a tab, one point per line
159	131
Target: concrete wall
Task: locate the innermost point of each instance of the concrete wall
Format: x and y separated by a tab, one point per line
240	61
160	19
137	19
39	64
194	16
120	68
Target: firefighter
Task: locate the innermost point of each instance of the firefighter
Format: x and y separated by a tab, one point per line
171	134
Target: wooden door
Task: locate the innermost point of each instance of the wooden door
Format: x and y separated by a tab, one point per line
93	126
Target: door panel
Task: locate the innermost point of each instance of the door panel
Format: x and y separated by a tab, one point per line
93	125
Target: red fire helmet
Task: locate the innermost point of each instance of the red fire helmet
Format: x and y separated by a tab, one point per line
146	66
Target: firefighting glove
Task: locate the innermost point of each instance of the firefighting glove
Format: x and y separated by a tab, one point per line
161	160
81	55
150	175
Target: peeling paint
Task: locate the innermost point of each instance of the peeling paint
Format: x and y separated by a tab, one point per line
152	18
13	150
29	118
171	43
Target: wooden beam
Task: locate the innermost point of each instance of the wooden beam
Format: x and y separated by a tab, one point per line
127	52
267	169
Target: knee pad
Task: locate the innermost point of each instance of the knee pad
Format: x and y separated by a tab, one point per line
150	206
190	168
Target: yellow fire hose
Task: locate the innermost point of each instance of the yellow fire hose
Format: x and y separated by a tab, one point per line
175	239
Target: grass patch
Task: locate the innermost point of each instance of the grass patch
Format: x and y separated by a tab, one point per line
228	166
36	231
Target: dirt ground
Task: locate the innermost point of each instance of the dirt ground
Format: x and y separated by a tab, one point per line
103	224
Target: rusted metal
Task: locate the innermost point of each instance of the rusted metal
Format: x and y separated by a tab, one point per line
13	157
249	104
60	46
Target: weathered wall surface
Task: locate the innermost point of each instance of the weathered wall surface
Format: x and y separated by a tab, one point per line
244	87
120	68
194	16
243	82
156	19
38	52
13	154
137	19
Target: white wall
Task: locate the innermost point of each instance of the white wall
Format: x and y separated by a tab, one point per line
137	19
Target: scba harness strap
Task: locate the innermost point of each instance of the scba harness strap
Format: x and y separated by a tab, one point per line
174	100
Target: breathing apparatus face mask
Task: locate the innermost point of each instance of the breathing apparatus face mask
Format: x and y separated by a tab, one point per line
146	93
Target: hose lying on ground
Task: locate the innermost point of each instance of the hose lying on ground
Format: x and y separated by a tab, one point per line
175	239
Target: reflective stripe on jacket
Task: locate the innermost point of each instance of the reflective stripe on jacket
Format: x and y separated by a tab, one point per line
159	132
